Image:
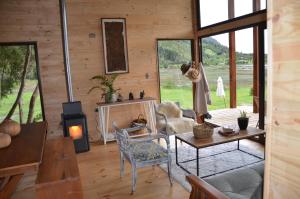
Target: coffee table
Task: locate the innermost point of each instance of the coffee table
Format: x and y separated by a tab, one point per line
216	139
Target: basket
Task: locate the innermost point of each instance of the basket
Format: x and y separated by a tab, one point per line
140	121
202	131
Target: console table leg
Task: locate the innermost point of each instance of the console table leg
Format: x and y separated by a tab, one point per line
102	124
197	159
176	153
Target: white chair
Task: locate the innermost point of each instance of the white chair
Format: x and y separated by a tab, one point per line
170	119
142	152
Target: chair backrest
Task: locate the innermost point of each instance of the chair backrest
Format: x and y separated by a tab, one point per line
121	136
169	109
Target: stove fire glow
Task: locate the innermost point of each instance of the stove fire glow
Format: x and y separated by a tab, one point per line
75	132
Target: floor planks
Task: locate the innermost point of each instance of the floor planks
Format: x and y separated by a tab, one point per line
99	170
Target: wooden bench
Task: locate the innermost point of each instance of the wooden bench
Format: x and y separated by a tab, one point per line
203	190
58	175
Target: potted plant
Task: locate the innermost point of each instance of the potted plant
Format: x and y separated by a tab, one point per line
106	85
243	120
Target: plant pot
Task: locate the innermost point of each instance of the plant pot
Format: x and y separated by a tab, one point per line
111	97
114	97
243	122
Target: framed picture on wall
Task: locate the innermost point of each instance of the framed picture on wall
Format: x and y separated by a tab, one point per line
115	45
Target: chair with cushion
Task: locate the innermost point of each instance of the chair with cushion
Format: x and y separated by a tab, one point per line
142	152
244	183
171	119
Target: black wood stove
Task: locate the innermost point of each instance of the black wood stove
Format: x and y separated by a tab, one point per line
75	125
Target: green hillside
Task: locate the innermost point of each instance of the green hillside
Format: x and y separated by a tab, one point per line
172	53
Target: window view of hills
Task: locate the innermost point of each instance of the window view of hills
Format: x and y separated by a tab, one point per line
175	87
214	53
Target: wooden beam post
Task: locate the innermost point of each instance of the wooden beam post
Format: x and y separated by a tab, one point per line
261	51
256	7
196	43
232	58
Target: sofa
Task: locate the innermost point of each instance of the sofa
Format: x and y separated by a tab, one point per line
244	183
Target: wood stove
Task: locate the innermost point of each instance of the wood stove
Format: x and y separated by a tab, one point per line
75	125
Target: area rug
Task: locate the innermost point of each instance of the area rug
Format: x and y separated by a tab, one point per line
211	164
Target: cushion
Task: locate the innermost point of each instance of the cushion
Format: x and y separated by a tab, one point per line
169	109
177	125
245	183
147	151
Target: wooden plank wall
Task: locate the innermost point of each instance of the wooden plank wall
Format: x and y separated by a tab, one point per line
39	20
282	178
146	21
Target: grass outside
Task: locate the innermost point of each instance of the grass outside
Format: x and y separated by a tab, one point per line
184	96
6	103
176	87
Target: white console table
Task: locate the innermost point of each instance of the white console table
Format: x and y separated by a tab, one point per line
104	111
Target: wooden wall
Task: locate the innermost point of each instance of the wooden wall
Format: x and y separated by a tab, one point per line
39	20
282	178
146	21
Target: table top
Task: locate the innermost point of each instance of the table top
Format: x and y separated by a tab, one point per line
26	150
125	102
217	138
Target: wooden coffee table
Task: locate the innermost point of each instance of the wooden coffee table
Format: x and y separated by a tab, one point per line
216	139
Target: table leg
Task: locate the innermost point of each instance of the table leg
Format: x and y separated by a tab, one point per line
238	145
176	153
197	159
107	109
102	123
153	115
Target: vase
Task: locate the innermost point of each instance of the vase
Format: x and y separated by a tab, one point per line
114	97
111	97
243	122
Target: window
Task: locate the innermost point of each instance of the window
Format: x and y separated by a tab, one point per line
173	85
244	66
263	4
242	7
213	11
215	59
12	64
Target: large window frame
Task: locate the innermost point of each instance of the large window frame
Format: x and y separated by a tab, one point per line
257	20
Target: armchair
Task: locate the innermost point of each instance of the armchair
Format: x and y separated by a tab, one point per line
171	119
142	152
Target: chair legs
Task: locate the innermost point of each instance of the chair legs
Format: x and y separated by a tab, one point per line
134	178
134	172
122	162
170	172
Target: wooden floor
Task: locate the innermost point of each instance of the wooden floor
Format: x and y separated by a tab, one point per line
99	170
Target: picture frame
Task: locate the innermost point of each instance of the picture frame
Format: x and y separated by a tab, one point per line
115	45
